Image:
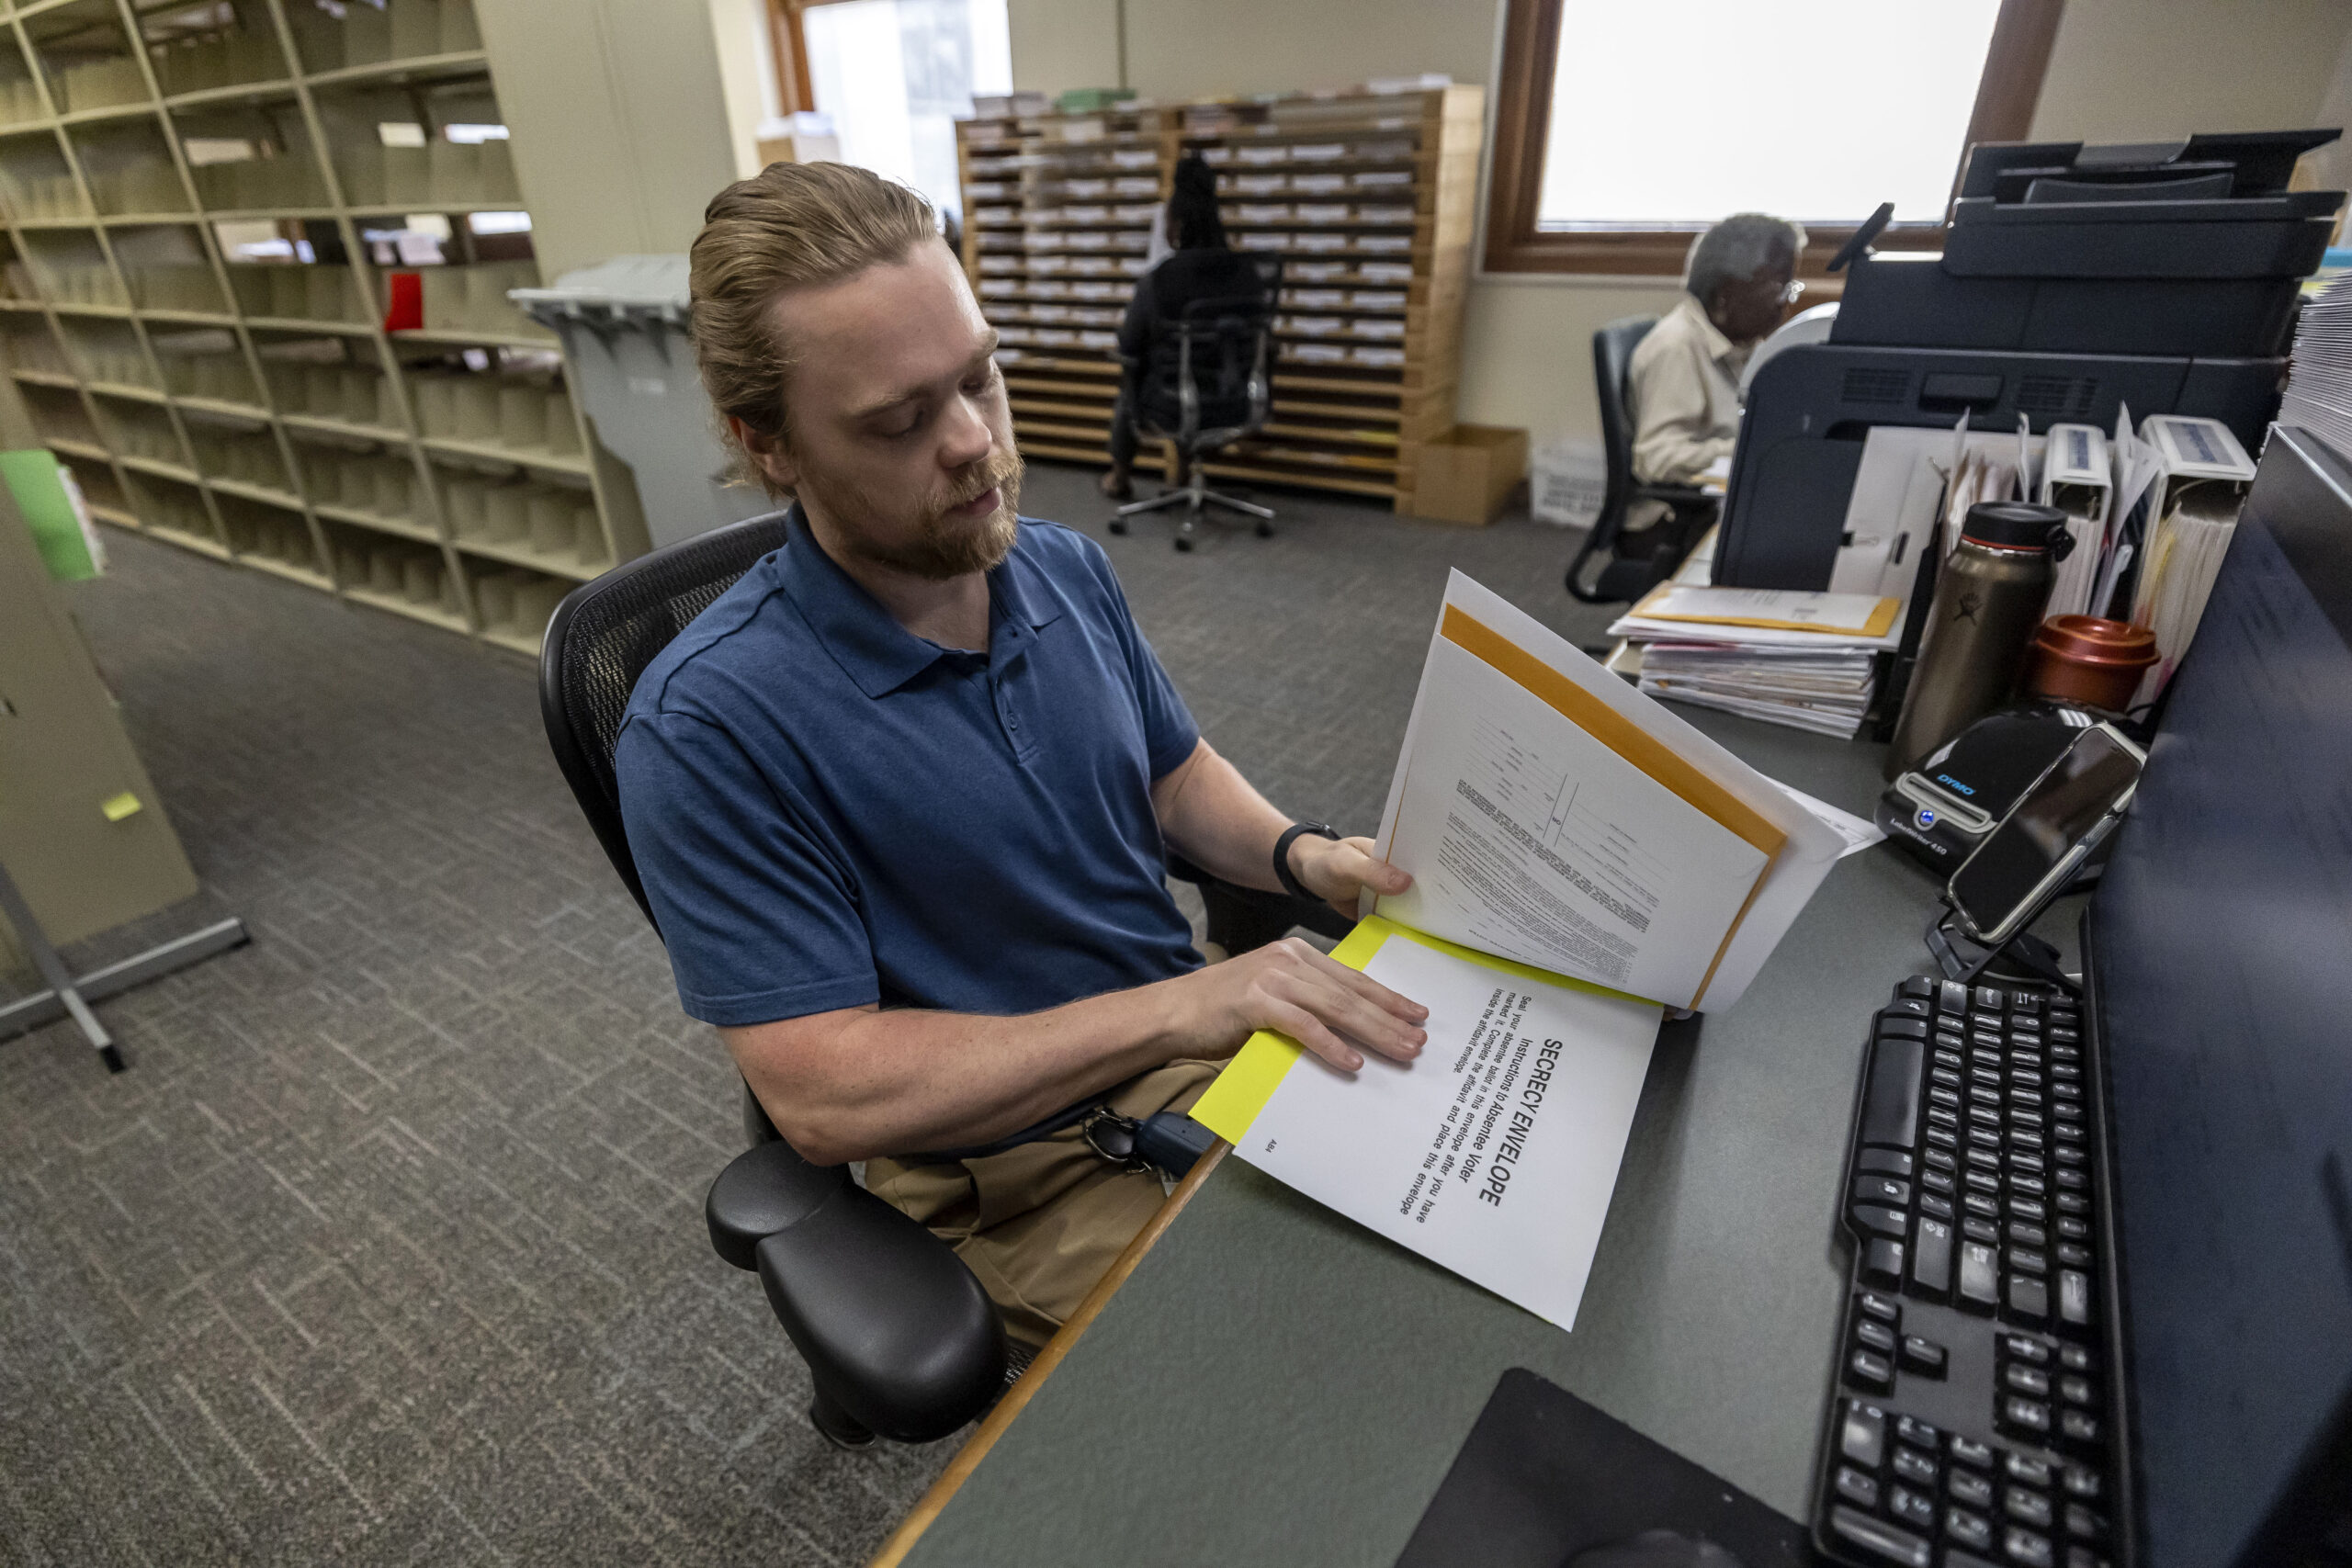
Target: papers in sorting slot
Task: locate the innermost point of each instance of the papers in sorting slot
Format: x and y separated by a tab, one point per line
1551	815
1494	1153
1847	614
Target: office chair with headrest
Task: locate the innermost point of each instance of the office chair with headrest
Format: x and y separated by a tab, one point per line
1205	388
900	1338
1690	509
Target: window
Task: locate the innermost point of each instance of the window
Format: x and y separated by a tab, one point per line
1620	130
896	74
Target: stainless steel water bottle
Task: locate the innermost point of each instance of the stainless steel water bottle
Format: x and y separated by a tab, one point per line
1989	598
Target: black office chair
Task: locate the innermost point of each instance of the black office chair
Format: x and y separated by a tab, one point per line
1208	386
1690	509
900	1338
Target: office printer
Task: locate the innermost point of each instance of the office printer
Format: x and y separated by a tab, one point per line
2073	280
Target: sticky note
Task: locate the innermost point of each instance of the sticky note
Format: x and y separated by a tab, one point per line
120	807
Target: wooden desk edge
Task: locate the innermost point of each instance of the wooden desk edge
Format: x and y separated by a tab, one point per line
976	1448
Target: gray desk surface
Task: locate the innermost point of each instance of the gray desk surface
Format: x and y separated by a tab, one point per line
1275	1385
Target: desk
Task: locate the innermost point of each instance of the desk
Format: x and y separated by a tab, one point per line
1275	1385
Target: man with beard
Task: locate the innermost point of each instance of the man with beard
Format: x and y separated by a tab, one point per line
901	798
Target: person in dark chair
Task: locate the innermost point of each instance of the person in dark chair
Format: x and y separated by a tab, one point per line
1683	384
901	798
1202	266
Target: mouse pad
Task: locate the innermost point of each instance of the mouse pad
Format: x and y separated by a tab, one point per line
1546	1481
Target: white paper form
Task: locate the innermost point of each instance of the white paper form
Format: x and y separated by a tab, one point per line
1807	848
1528	838
1494	1153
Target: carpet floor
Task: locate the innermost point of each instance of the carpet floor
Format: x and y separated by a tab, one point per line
388	1249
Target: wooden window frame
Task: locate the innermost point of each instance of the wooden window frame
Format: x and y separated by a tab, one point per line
2015	63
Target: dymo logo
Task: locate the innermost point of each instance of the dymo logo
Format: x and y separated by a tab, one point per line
1955	783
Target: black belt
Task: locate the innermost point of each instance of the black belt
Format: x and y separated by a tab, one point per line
1165	1140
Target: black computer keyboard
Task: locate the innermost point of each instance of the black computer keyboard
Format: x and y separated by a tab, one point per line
1969	1424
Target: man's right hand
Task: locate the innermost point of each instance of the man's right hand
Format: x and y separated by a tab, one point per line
1288	985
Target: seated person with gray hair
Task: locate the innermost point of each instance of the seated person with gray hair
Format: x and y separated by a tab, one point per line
1682	387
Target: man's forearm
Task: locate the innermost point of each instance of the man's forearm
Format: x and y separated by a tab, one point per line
1216	819
861	1082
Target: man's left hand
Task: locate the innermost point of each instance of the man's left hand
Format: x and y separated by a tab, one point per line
1337	869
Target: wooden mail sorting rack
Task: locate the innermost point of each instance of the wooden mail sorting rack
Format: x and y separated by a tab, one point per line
250	406
1368	197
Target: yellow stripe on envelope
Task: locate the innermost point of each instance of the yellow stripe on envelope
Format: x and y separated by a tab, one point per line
1240	1092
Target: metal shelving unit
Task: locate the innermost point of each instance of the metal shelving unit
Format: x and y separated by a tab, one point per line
1368	197
251	406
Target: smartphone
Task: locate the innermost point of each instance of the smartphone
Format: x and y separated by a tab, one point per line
2034	850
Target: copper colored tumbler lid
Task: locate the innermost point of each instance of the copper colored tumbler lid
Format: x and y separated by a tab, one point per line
2089	640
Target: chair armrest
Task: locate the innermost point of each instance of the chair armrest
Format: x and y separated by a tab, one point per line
1241	918
897	1332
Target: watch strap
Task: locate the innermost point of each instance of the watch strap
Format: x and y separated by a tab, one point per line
1282	872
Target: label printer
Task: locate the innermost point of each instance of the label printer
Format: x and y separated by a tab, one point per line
2074	280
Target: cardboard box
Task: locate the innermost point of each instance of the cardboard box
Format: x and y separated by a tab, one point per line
1467	475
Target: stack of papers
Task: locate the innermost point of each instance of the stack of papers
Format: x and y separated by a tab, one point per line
2319	380
1803	659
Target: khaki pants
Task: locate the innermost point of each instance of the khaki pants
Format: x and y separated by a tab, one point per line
1038	1224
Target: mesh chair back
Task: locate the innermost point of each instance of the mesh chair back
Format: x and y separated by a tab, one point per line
600	640
1613	356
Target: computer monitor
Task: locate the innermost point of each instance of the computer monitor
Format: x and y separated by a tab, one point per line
2220	947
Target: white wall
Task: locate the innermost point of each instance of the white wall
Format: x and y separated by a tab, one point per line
2120	71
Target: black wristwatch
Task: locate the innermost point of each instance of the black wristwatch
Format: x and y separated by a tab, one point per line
1282	874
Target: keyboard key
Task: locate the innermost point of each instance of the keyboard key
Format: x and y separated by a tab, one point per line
1861	1437
2074	1389
1923	1356
2074	1255
2027	1380
1951	997
1979	1276
2025	1234
1980	1230
2028	1297
2072	1203
1937	1204
2081	1521
2078	1427
2020	1413
1968	1451
1942	1116
1945	1095
1882	1262
1877	1540
2031	1472
1948	1056
1920	985
1912	1431
2028	1506
1942	1138
2026	1262
2074	1298
1977	1203
1879	1307
1936	1159
1912	1509
2081	1483
2075	1230
2073	1357
1886	1162
2033	1186
1991	998
1932	1256
1857	1488
2019	1348
2068	1154
1891	1105
1973	1490
1914	1466
1896	1026
1880	1221
1875	1336
2026	1549
1867	1369
2028	1209
1955	1557
1984	1182
1870	1188
1964	1528
1945	1075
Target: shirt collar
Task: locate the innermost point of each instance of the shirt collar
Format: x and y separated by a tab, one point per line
1719	347
873	650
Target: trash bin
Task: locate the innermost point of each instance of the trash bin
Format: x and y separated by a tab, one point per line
623	324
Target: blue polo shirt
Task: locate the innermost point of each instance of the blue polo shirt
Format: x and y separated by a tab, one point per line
828	810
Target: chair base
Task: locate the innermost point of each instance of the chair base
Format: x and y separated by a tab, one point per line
837	1426
1196	498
